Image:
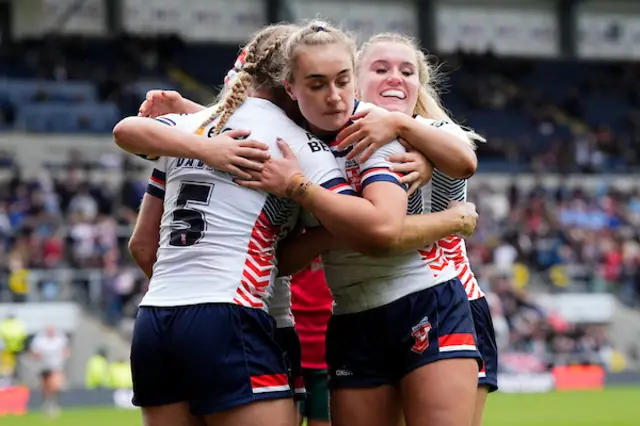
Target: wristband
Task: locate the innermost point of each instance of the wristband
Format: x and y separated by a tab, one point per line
298	187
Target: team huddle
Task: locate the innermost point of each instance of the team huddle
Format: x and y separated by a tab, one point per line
314	152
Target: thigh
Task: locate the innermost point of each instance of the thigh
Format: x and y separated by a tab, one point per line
230	357
365	407
355	351
488	375
316	406
433	325
156	379
268	412
441	393
439	358
481	402
170	415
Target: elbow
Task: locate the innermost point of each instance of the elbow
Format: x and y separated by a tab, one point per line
140	251
466	167
469	168
382	240
122	133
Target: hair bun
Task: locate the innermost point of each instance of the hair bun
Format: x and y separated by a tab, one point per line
319	26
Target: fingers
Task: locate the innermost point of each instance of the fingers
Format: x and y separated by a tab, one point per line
400	157
345	133
153	94
413	188
410	178
404	167
368	152
255	175
237	133
353	139
247	164
360	114
170	94
238	172
358	147
253	154
284	147
404	143
251	184
251	143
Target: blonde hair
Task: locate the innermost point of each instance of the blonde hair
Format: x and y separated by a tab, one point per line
315	33
429	104
262	61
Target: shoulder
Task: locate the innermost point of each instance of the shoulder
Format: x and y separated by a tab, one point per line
452	128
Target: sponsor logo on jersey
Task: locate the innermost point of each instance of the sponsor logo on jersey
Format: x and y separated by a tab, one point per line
420	334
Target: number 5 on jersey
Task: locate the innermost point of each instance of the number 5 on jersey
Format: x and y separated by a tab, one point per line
188	224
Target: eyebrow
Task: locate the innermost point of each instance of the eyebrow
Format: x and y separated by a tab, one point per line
385	62
310	76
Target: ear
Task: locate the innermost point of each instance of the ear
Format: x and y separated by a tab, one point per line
287	88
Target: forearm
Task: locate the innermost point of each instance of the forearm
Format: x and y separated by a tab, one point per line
144	256
190	107
448	153
141	135
350	217
295	253
420	230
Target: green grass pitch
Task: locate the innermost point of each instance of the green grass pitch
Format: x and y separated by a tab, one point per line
613	407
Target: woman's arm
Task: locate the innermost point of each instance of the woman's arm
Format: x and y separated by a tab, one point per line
143	244
417	232
298	251
374	219
162	102
222	152
445	144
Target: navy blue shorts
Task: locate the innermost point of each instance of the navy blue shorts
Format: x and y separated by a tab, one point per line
382	345
488	375
213	356
288	340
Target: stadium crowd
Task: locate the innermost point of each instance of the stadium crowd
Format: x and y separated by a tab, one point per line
553	235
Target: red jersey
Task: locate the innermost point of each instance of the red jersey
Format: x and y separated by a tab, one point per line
311	304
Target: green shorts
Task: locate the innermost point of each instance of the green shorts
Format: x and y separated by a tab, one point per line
316	404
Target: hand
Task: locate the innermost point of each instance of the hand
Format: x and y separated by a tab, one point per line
415	166
467	212
161	102
373	129
277	173
238	157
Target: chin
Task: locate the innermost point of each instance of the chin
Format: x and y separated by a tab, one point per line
334	123
394	106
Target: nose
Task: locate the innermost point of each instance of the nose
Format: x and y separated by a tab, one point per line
334	95
394	78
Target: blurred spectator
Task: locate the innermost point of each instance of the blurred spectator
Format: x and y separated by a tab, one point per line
97	370
12	335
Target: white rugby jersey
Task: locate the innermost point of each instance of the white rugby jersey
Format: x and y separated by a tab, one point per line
435	197
360	282
217	239
280	307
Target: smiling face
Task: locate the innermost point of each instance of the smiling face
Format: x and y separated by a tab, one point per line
388	76
323	86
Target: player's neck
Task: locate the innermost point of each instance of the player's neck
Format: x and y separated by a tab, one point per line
262	94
